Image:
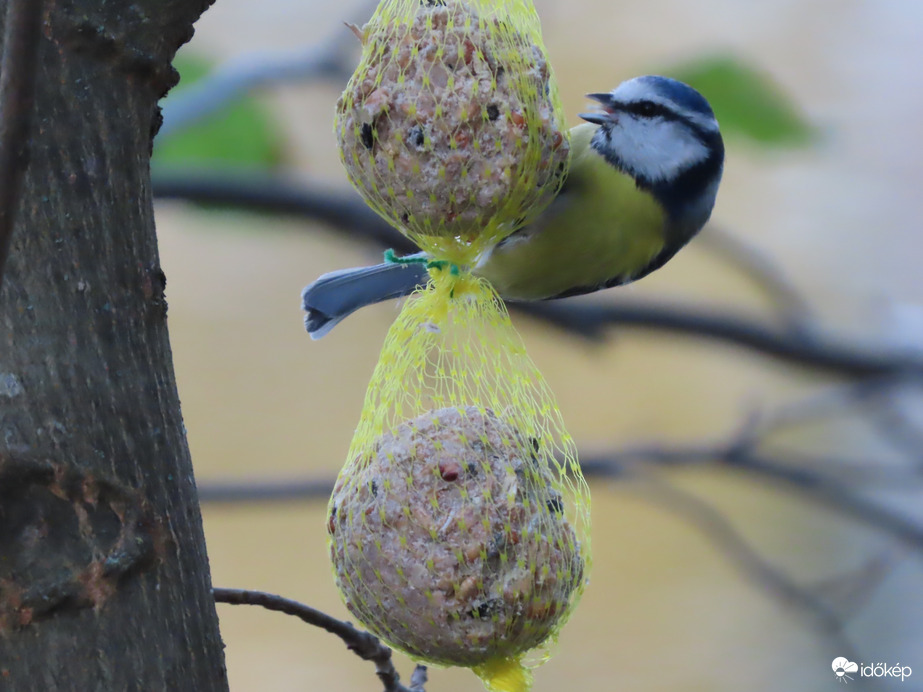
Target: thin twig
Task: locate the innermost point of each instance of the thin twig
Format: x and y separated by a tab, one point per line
17	95
592	318
791	304
363	644
819	487
249	491
261	490
853	589
718	529
894	425
597	465
332	59
818	468
816	486
837	399
339	207
836	495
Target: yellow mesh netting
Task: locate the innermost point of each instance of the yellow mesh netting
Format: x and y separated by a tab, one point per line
451	126
459	525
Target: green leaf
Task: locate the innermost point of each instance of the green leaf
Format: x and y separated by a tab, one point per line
243	134
746	101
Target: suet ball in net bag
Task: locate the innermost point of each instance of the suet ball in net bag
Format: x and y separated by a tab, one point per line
459	525
451	125
471	554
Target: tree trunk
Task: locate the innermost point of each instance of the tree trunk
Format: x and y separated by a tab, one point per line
104	580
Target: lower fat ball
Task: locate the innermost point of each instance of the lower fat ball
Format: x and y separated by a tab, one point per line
451	542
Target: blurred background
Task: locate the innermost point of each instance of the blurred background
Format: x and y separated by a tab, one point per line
707	576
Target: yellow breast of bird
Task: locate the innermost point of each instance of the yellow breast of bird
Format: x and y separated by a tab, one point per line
600	227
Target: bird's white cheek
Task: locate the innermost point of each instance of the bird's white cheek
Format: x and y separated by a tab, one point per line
657	150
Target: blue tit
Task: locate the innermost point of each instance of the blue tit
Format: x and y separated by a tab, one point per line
643	177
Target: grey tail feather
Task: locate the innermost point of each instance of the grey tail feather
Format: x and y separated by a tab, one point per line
339	294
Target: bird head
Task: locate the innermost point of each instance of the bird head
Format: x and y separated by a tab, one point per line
663	134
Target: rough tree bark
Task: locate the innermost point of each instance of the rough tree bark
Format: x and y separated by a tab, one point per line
104	580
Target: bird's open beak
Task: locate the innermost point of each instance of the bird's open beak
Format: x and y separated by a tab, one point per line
607	116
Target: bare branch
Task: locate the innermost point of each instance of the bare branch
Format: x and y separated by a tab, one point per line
756	265
591	318
817	468
819	479
894	425
837	399
816	486
365	645
855	588
801	601
259	490
342	209
17	94
332	59
836	495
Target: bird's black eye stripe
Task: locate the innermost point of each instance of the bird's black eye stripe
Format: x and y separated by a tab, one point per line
645	109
